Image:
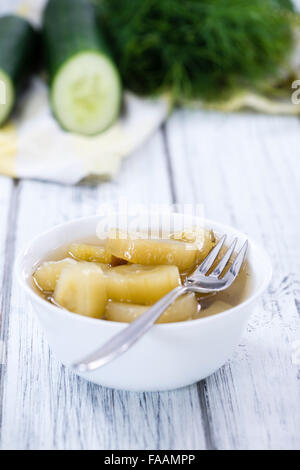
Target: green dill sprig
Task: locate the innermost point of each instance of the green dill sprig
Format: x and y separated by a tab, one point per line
198	49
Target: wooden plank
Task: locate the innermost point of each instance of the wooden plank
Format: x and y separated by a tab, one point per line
8	203
45	406
244	169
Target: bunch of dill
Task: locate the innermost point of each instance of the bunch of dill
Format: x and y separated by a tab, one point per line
195	49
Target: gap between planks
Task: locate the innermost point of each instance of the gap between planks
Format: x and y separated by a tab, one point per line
9	256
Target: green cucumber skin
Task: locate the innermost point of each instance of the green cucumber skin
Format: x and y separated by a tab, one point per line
17	48
69	28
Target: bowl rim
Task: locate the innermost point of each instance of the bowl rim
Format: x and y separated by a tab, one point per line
22	280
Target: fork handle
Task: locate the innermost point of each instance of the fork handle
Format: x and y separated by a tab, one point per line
122	341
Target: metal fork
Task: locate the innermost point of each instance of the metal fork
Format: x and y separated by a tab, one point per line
199	282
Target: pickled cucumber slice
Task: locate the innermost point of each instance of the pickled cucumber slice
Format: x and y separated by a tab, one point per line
204	240
47	274
141	284
82	289
184	308
94	253
85	252
153	252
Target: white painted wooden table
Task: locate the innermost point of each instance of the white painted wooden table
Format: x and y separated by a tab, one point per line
245	170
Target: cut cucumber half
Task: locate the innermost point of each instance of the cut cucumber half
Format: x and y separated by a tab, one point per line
7	96
86	93
17	53
85	84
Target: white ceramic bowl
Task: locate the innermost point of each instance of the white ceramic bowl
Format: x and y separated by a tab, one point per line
169	355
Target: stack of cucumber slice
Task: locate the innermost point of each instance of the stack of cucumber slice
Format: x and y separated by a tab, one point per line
85	86
17	46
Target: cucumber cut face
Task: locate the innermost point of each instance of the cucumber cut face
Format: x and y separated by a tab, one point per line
6	96
86	93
